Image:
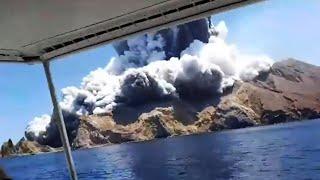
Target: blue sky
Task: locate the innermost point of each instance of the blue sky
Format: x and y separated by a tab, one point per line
277	28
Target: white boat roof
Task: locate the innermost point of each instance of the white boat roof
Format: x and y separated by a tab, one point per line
39	30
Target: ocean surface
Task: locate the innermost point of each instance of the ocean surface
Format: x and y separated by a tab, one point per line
283	151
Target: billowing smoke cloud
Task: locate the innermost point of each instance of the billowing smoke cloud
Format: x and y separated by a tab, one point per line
142	50
173	40
37	127
140	75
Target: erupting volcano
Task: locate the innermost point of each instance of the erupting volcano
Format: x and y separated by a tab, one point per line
182	80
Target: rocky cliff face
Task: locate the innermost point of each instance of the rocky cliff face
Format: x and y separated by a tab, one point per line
289	91
102	129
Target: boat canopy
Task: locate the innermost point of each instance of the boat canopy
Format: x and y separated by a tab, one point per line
39	30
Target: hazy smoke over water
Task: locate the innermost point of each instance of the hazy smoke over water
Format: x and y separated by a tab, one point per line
140	75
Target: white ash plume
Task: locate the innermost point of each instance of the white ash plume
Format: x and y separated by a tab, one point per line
141	74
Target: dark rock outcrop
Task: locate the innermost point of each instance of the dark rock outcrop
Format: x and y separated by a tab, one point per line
31	147
23	147
8	148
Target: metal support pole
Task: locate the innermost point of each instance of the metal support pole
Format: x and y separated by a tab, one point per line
60	122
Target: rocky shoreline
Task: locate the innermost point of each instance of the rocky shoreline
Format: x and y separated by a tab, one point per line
290	91
25	147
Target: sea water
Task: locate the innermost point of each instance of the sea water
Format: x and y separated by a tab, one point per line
283	151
